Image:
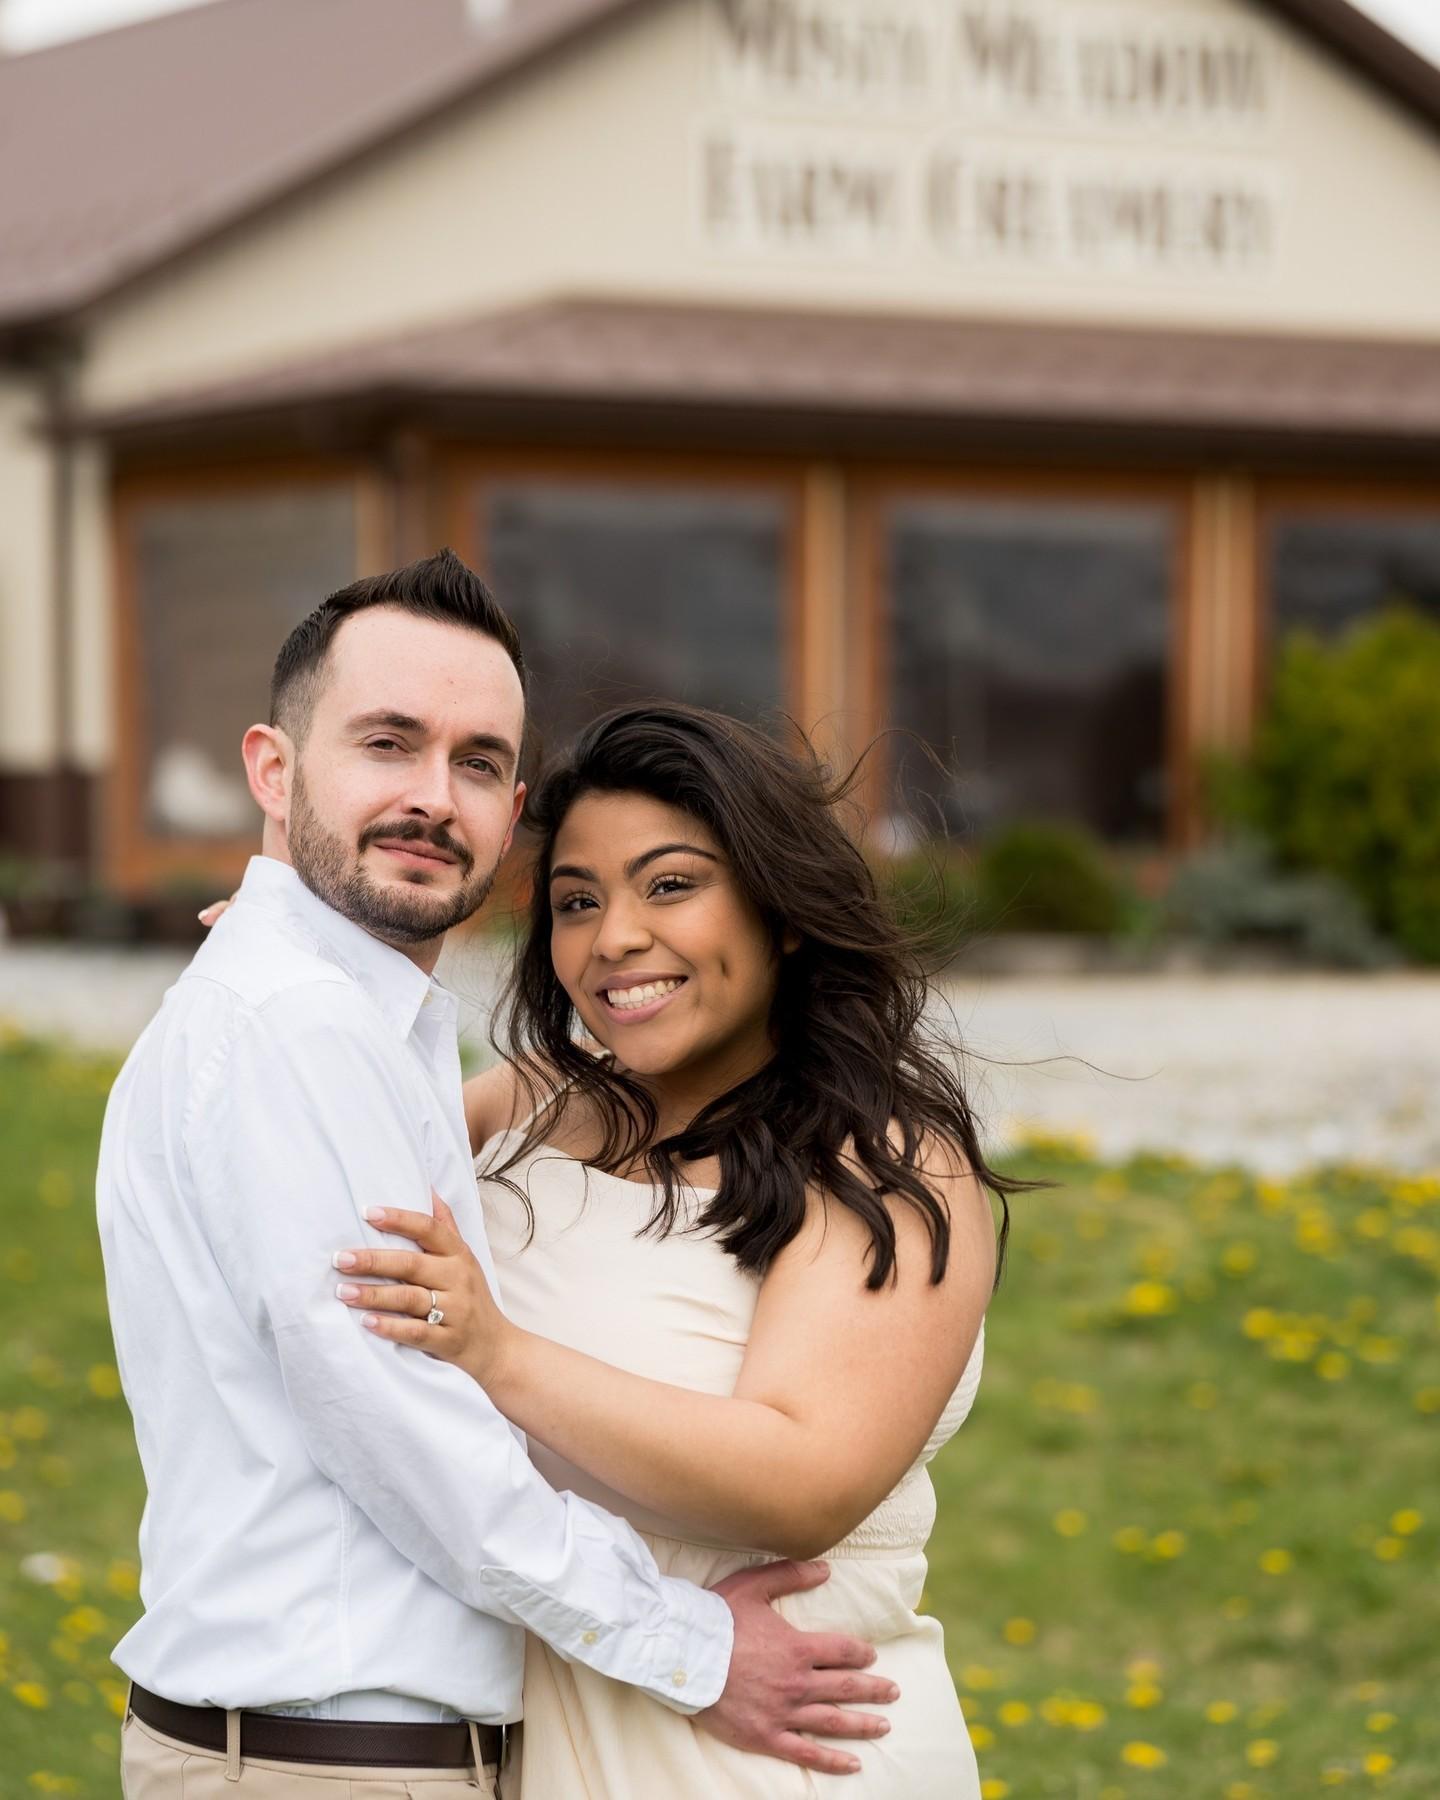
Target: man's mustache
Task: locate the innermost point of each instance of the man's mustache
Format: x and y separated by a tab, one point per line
410	831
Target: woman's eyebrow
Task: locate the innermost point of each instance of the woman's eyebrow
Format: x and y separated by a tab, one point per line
635	865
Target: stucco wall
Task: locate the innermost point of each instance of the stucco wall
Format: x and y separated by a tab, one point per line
26	697
584	177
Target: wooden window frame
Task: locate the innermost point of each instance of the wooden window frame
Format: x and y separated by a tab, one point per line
466	473
1328	496
877	489
134	860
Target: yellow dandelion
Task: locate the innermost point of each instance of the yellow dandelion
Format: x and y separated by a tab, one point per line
1427	1400
1378	1350
7	1452
1259	1323
1014	1712
123	1580
1240	1790
977	1677
1238	1259
1274	1196
1070	1522
1087	1715
1389	1549
1129	1538
1019	1631
1332	1366
45	1781
104	1381
993	1788
1276	1562
1167	1545
1373	1223
982	1737
1143	1693
84	1622
1221	1712
29	1424
32	1694
1378	1762
116	1693
1406	1522
1380	1721
1143	1756
1055	1710
1150	1300
1204	1396
1261	1752
12	1507
1336	1775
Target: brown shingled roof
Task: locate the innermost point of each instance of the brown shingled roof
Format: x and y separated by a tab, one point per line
125	148
768	363
120	149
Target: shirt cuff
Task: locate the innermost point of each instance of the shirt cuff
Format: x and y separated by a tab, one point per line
691	1660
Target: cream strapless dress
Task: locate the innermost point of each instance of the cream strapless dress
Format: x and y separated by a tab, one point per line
678	1309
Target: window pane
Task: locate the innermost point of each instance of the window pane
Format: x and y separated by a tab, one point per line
1030	646
1327	573
220	583
623	592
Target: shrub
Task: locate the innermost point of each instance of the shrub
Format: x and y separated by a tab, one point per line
1344	776
933	895
1236	893
1048	877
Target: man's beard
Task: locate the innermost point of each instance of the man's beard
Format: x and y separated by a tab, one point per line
398	915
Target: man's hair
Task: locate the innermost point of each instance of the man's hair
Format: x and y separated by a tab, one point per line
437	587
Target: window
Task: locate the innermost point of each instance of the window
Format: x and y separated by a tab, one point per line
1328	572
1029	651
639	592
220	582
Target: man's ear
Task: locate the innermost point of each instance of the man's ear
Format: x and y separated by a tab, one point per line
269	758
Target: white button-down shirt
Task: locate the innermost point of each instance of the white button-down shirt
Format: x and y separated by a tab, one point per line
330	1514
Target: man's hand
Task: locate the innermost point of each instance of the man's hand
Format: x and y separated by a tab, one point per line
785	1684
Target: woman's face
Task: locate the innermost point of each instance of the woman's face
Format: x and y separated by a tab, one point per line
667	964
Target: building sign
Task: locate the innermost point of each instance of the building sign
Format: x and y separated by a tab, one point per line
1023	133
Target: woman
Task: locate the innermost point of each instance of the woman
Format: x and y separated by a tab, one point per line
737	1208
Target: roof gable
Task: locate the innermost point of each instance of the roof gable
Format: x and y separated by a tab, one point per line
145	149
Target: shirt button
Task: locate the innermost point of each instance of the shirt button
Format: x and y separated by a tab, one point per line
678	1678
589	1637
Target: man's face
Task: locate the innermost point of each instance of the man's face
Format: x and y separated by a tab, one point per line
404	797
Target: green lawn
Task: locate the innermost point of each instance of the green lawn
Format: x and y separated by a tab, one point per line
1189	1541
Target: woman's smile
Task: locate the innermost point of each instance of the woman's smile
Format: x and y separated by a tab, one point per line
629	999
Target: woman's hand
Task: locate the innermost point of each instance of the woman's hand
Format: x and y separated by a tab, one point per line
441	1276
207	915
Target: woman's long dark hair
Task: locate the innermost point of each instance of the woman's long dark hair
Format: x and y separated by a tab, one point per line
858	1089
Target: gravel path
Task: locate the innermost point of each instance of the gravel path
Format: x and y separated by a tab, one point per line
1275	1071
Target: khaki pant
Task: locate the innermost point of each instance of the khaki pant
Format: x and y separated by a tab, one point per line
156	1767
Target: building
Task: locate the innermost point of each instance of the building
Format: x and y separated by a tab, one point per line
1007	370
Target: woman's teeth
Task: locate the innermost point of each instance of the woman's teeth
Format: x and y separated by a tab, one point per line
626	999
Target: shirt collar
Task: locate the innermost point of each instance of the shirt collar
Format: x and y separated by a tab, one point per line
387	975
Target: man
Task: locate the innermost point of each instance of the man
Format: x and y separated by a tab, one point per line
342	1542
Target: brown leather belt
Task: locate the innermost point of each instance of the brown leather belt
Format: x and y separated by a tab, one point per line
363	1743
